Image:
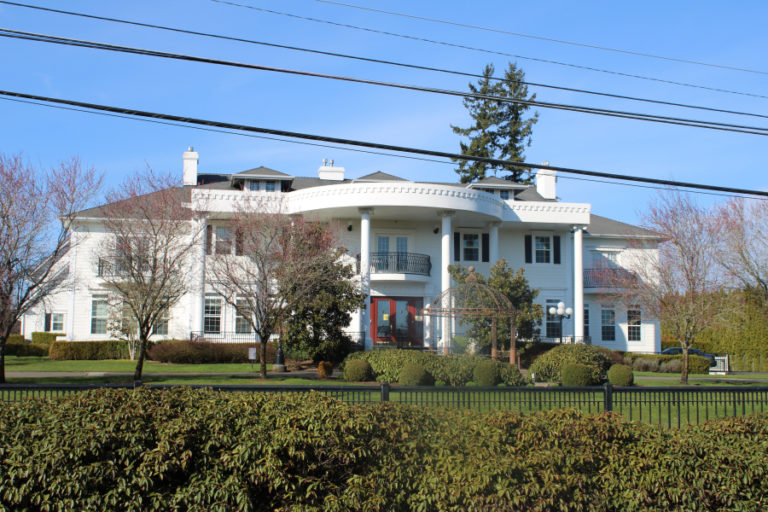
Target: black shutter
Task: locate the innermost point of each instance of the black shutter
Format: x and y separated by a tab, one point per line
528	249
208	239
485	247
47	327
456	246
556	249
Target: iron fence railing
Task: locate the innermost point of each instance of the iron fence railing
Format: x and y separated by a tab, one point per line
666	406
606	277
399	263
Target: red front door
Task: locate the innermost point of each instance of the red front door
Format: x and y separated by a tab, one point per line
397	320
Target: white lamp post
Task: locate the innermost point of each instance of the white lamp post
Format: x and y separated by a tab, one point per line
561	312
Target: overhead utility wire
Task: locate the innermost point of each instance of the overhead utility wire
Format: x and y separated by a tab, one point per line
711	125
483	50
376	145
383	61
341	148
543	38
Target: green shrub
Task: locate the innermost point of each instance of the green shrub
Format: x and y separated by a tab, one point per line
87	350
511	376
644	364
26	349
577	374
204	352
696	364
14	339
45	338
621	375
614	356
413	374
325	369
671	366
357	370
549	365
487	373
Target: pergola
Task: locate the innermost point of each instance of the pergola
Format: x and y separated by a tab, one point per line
476	300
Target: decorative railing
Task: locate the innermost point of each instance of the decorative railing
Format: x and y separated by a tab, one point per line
223	337
607	277
399	263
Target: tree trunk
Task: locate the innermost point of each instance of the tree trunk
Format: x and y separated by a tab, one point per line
684	369
263	355
2	360
140	362
512	342
494	344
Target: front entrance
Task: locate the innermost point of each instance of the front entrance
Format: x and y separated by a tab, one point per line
397	320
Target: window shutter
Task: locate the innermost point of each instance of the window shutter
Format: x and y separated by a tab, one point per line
486	247
208	239
556	249
238	243
47	327
528	249
456	246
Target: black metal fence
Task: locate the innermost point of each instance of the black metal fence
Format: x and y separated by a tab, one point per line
669	406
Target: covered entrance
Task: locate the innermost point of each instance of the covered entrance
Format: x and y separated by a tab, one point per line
397	320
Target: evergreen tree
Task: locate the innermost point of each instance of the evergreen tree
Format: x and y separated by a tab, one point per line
500	129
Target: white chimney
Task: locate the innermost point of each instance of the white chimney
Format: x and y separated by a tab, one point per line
328	172
546	182
190	158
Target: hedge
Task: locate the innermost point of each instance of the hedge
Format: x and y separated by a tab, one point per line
183	449
548	365
696	364
26	349
45	338
201	352
88	350
15	339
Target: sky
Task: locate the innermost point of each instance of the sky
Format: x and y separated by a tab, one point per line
711	32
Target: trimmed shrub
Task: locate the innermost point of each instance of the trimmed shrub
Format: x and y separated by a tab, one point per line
577	374
487	373
511	376
45	338
696	364
26	349
549	365
614	356
357	370
87	350
413	374
325	369
203	352
621	375
671	366
14	339
643	364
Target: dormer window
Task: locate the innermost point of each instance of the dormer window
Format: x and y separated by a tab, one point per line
504	194
270	186
253	185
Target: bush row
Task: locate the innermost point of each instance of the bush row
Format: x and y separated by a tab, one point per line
200	352
549	365
181	449
450	370
45	338
667	364
87	350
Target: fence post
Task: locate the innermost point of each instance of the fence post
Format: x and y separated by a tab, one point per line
385	391
607	397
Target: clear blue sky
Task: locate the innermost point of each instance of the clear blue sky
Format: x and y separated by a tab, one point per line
728	34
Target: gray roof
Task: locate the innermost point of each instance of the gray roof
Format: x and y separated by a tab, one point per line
262	172
530	194
380	176
603	226
494	182
182	194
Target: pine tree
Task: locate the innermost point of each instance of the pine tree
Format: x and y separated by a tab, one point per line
500	129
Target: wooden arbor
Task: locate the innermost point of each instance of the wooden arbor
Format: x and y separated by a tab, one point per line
476	300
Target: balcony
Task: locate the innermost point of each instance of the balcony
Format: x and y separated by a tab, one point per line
606	277
399	263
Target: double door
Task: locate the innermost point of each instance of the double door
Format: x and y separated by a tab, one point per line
397	320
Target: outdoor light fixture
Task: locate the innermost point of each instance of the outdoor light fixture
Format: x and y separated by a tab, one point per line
561	312
349	227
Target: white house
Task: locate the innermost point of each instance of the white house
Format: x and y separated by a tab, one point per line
404	234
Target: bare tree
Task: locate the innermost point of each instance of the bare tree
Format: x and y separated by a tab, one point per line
145	258
273	266
681	285
31	243
744	243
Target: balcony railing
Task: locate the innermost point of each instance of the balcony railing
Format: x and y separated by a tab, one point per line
606	277
399	263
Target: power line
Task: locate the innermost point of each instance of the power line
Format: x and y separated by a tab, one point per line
483	50
341	148
711	125
376	145
383	61
543	38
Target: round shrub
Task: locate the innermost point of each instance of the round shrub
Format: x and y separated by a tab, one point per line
577	374
511	376
413	374
486	373
621	375
671	366
697	364
548	365
324	369
357	370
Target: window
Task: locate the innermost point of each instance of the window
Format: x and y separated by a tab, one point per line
586	321
99	314
54	322
223	240
608	327
543	247
633	324
161	325
554	327
212	315
270	186
242	325
253	185
605	259
504	194
471	247
382	244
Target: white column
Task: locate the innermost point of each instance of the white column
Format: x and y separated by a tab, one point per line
365	273
494	243
578	284
199	298
72	272
445	277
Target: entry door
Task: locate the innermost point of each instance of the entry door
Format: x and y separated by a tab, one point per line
397	320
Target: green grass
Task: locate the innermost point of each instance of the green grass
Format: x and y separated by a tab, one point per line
43	364
654	379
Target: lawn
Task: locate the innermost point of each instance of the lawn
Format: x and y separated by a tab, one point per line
43	364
